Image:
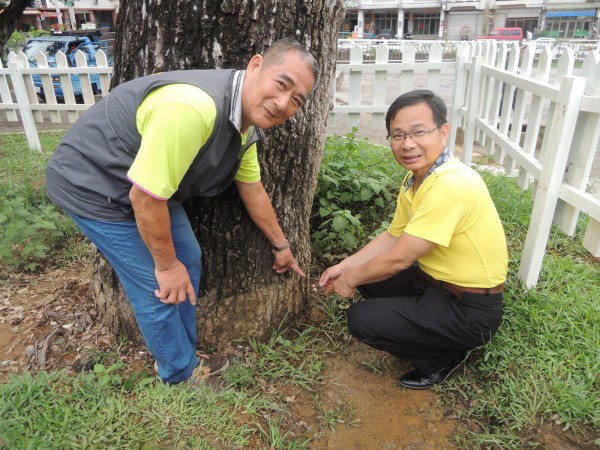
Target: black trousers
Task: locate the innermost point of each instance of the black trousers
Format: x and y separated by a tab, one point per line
420	322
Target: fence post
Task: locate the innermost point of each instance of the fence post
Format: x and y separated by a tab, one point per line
559	139
581	159
6	98
472	102
25	110
354	85
460	75
382	56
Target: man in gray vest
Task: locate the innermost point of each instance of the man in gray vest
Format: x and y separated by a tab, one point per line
124	169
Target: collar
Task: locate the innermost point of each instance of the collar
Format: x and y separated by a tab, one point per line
236	100
444	156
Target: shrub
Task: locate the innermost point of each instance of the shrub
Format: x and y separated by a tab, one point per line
355	196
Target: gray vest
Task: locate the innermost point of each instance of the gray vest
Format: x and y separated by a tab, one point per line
88	171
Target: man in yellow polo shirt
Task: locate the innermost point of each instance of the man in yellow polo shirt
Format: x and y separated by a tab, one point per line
432	283
126	166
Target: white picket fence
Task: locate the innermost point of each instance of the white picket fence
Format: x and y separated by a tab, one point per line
26	101
484	78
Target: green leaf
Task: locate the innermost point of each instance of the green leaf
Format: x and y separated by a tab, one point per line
339	223
366	194
10	233
349	240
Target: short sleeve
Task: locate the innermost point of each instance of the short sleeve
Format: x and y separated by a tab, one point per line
175	121
249	171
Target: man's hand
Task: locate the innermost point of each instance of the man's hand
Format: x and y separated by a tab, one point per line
284	260
343	287
174	285
328	279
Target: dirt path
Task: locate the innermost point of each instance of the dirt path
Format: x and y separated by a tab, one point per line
385	416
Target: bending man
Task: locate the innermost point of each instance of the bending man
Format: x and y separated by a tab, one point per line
124	169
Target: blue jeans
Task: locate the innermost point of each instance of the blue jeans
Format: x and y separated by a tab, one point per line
168	330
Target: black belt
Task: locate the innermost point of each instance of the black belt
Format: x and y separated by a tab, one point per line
458	291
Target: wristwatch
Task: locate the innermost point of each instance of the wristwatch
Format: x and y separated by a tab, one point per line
282	247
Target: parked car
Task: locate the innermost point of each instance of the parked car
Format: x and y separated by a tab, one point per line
504	34
69	44
387	34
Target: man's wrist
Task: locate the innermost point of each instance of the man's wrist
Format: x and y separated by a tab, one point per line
280	248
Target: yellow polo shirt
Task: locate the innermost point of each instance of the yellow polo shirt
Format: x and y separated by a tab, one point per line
175	121
453	209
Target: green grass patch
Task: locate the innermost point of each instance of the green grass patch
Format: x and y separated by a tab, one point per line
31	227
542	366
94	410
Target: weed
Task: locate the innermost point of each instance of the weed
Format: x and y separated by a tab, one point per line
355	195
30	226
342	412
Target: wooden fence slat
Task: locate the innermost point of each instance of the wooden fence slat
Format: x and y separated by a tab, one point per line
497	92
473	100
535	114
407	76
6	98
42	63
102	61
380	83
581	159
29	87
354	85
66	86
84	79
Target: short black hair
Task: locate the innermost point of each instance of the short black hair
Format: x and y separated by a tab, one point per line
437	105
276	53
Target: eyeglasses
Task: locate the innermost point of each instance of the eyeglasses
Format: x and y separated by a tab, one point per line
415	135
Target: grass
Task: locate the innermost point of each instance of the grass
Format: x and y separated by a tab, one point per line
31	227
541	367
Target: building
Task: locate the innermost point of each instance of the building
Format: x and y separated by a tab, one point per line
467	19
69	15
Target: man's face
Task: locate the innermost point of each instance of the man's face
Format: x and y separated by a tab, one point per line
417	153
272	94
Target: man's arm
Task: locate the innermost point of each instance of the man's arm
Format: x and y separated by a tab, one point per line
403	254
259	207
154	224
381	243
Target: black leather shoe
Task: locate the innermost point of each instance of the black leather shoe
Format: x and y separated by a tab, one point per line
417	380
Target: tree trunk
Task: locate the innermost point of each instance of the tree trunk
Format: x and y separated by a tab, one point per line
9	16
240	294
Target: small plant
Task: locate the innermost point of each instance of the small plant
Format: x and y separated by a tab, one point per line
27	230
342	412
30	225
355	195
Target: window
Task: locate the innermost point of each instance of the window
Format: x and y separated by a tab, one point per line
424	24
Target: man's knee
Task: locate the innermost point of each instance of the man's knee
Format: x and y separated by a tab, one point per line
361	320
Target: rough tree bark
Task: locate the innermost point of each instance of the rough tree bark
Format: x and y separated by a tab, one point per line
10	12
240	293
